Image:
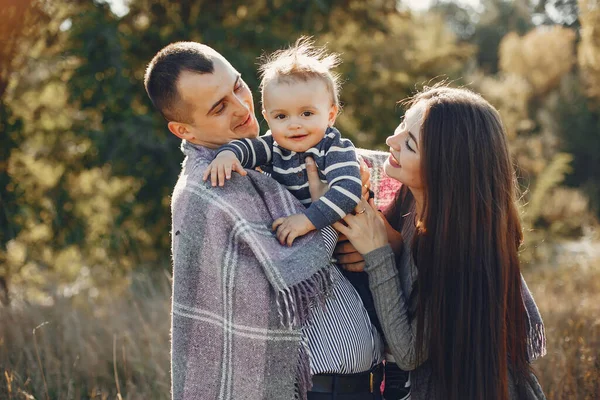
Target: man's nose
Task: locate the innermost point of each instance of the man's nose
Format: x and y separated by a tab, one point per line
241	105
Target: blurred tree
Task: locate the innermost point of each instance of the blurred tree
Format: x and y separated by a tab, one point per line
589	47
542	57
95	165
92	168
561	12
530	91
18	30
126	133
579	132
485	26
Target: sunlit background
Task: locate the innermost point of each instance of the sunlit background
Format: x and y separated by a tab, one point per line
87	166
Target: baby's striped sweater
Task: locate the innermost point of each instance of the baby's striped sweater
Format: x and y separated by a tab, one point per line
336	161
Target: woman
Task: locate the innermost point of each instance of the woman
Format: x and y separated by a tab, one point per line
450	300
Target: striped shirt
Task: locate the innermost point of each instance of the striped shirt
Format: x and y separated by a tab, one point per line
336	161
341	338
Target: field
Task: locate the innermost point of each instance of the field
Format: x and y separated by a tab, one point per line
118	347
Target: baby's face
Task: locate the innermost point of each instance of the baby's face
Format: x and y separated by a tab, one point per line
298	113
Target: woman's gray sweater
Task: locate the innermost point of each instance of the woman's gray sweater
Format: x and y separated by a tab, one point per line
391	288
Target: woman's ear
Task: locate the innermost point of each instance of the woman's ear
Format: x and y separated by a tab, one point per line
333	113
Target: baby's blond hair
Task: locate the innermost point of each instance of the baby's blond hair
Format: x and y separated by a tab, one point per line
302	61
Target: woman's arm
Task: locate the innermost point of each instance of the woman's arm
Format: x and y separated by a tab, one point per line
368	234
392	307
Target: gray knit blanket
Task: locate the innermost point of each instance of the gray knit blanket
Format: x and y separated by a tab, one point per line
239	297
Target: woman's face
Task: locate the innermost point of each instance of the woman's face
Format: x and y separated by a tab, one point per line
404	162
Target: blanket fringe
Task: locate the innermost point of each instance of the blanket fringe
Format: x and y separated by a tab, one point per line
303	376
293	306
294	302
536	342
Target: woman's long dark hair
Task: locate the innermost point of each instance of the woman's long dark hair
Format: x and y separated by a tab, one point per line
470	315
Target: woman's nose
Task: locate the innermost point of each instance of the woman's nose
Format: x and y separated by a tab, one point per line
392	141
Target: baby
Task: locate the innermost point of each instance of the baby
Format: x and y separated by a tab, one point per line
300	103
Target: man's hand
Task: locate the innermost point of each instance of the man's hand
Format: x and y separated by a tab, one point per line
315	186
289	228
318	188
220	168
347	256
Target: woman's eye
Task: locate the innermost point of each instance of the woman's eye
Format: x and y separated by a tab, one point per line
408	146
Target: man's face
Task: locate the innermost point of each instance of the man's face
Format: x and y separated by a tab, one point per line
220	106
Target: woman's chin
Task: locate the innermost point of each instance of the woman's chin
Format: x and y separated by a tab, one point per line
391	171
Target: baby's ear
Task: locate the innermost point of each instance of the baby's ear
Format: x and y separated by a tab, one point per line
333	113
264	113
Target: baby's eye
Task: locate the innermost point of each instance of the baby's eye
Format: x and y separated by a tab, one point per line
280	116
307	113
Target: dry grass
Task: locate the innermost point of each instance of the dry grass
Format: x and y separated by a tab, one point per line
91	350
569	300
119	347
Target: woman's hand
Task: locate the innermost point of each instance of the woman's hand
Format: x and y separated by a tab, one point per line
366	230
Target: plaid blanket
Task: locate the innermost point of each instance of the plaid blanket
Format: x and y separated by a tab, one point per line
239	297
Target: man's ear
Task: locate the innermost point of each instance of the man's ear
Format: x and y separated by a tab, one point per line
180	130
333	113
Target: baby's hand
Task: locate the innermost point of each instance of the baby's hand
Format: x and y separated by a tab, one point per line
289	228
220	168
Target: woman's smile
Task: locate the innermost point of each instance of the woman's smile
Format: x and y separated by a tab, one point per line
394	161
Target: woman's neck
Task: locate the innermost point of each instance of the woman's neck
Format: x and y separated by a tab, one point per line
418	196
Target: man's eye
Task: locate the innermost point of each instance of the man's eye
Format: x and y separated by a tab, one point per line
307	113
239	87
220	109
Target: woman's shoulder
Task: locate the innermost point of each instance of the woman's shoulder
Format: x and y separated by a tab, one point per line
530	389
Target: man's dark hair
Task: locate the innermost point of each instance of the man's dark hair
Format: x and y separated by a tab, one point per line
163	72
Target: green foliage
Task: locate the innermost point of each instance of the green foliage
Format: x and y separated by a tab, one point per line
88	166
551	177
580	135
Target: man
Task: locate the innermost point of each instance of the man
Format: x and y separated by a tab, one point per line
251	319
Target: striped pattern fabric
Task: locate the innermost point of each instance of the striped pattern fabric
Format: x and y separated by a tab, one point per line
336	161
341	338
